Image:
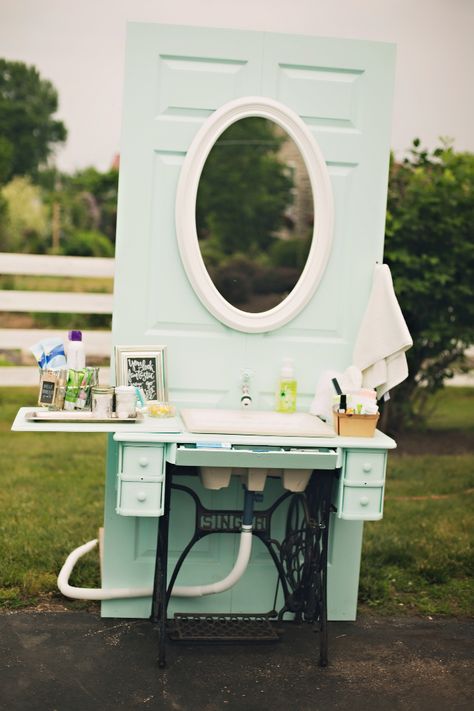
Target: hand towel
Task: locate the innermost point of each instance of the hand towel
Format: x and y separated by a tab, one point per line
383	337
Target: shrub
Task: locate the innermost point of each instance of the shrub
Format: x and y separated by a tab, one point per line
233	280
87	244
290	252
429	247
25	221
275	280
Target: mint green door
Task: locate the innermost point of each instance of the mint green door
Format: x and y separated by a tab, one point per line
175	78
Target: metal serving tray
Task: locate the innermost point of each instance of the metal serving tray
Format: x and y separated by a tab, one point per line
64	416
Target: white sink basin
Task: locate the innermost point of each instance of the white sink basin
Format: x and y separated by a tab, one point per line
254	422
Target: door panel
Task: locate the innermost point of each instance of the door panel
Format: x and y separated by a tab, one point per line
342	90
175	78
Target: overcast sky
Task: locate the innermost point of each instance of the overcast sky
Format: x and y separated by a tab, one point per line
79	46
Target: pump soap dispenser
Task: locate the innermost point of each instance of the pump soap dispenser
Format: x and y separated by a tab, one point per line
286	393
76	356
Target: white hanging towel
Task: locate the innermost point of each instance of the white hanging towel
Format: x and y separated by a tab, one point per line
383	337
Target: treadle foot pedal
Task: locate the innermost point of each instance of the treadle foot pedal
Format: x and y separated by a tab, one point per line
222	628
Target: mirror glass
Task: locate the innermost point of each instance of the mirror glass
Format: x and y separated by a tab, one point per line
254	214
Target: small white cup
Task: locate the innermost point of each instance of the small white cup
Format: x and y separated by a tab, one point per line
125	401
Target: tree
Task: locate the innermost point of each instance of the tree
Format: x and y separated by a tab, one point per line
98	191
28	133
429	247
83	210
244	187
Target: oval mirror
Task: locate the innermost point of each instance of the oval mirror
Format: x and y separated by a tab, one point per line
254	214
254	227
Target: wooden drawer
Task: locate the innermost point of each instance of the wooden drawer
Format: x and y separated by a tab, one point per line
256	457
362	503
140	498
141	475
365	467
142	461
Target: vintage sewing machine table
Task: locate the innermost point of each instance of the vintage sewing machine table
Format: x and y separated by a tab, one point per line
311	485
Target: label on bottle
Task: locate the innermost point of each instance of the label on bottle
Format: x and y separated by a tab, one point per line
286	399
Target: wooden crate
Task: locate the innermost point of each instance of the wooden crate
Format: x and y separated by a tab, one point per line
355	425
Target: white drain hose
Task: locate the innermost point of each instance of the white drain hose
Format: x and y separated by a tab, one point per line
235	574
92	593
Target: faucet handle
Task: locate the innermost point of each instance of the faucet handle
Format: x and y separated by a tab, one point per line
246	399
246	375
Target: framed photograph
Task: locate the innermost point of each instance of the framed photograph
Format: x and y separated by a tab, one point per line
144	367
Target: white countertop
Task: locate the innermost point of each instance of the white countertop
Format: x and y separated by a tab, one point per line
159	430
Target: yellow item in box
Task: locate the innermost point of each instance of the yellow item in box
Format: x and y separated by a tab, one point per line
160	409
355	425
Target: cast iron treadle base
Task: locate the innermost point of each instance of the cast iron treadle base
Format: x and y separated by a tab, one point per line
222	628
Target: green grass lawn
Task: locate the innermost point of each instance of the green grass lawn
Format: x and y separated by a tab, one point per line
54	283
418	559
420	556
49	504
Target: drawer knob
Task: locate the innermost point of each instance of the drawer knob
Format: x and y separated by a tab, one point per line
143	461
141	496
364	500
367	467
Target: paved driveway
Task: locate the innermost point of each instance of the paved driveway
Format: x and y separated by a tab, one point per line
72	661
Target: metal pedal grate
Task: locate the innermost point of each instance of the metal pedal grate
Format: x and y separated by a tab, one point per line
222	628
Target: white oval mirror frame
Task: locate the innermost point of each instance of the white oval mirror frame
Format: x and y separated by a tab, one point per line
186	196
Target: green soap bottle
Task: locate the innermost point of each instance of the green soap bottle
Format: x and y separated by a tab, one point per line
286	392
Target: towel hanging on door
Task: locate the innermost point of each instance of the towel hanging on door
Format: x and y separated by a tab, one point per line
383	337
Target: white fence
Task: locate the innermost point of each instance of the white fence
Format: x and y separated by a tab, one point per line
98	343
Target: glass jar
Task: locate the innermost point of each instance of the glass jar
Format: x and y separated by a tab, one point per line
102	401
89	379
52	388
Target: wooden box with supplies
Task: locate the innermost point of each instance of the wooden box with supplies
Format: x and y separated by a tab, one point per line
352	425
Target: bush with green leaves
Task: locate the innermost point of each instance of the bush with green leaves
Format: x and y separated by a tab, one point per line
275	280
290	252
24	226
87	202
429	247
87	244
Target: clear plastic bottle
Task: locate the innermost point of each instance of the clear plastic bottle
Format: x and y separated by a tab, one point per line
286	393
76	356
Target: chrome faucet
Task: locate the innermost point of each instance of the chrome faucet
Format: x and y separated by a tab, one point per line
245	399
